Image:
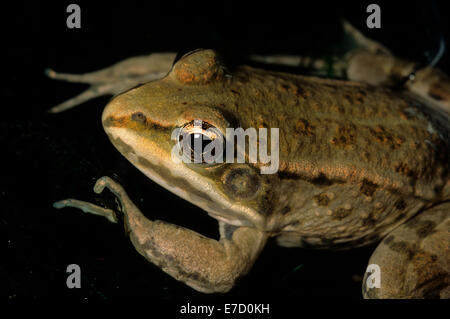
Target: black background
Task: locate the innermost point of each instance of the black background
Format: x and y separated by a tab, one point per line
48	157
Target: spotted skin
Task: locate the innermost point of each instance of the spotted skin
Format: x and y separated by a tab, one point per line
358	163
414	259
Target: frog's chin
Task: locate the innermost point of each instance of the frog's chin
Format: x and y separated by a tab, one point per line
215	205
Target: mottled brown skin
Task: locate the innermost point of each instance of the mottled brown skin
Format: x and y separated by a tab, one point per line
356	162
414	258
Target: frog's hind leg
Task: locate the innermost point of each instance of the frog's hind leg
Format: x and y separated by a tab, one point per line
204	264
115	79
414	259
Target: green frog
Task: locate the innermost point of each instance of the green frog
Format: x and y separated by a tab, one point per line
358	164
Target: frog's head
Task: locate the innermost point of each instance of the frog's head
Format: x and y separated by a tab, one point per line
142	124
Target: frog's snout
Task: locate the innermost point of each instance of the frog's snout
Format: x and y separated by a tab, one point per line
114	113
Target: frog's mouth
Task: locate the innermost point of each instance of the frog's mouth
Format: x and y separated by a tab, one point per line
156	163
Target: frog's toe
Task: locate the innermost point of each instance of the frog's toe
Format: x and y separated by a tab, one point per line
89	94
87	208
100	185
109	183
76	78
125	203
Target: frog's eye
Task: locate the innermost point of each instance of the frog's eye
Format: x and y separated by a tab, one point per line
201	142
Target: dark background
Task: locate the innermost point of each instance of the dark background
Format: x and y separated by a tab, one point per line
48	157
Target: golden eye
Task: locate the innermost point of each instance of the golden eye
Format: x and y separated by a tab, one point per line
194	139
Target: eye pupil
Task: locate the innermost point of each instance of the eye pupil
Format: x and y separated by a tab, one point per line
198	139
195	142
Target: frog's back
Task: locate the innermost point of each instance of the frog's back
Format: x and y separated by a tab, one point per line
355	160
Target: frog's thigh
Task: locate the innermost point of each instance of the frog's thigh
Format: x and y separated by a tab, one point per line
414	259
202	263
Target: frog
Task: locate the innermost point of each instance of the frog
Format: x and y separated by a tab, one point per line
358	165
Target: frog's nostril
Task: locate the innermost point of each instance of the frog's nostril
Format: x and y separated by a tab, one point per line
139	117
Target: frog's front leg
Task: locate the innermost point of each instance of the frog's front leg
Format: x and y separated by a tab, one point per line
414	259
202	263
